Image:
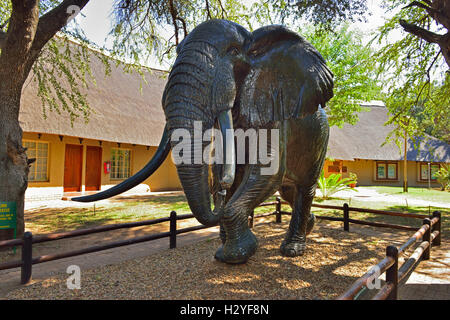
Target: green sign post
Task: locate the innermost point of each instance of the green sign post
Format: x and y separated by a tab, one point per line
8	216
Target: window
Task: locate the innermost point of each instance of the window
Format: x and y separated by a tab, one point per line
120	163
386	171
39	168
333	169
424	170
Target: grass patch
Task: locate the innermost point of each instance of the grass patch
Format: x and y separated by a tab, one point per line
125	209
414	193
387	206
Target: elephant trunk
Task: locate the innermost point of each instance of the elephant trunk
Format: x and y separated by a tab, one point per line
186	106
194	179
193	173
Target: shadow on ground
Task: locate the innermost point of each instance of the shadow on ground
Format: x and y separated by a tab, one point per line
333	261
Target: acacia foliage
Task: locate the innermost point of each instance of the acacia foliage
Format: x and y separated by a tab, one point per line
62	70
413	70
351	62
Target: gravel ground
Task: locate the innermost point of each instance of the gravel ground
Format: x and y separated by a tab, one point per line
333	261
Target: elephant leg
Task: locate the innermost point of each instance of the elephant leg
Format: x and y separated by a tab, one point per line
222	233
240	174
302	222
240	242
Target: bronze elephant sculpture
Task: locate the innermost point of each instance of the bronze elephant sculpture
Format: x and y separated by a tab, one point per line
227	78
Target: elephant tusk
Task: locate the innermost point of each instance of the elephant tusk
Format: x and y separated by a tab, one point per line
158	158
229	168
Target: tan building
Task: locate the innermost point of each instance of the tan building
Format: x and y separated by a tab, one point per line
126	125
122	134
359	149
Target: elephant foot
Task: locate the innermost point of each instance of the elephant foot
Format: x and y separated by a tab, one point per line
293	249
296	247
239	250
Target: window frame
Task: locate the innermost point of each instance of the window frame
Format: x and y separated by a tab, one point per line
112	164
386	163
428	171
47	175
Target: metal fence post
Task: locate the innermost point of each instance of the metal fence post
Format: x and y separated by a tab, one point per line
173	230
437	227
346	217
392	272
27	258
278	210
427	237
251	219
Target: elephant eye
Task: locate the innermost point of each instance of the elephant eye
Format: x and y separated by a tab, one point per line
233	51
253	52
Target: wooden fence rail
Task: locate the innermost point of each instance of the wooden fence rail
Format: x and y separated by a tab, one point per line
28	239
429	233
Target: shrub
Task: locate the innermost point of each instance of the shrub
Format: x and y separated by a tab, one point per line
353	176
443	177
334	183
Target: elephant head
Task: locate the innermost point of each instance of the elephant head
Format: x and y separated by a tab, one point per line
202	86
288	78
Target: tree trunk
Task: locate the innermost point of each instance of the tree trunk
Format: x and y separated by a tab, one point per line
13	160
20	47
14	59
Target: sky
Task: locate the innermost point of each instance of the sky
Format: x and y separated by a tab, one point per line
95	20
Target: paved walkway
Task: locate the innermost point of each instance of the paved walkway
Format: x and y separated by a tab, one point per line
372	195
430	280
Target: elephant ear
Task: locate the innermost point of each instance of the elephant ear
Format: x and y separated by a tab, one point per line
289	78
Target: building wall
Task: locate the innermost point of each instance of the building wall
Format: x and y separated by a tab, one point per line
165	178
366	172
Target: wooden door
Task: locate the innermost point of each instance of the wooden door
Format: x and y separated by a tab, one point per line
72	168
93	168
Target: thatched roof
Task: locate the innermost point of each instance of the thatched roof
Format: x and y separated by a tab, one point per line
364	141
120	111
124	114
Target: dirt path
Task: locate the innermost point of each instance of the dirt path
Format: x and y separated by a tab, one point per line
9	278
333	261
430	280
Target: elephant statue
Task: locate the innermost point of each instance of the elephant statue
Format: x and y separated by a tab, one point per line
227	78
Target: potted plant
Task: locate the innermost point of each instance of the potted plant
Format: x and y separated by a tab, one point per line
333	184
354	179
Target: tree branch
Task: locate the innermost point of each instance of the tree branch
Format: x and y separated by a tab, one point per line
17	42
208	12
420	5
224	12
183	22
438	10
174	15
422	33
55	20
